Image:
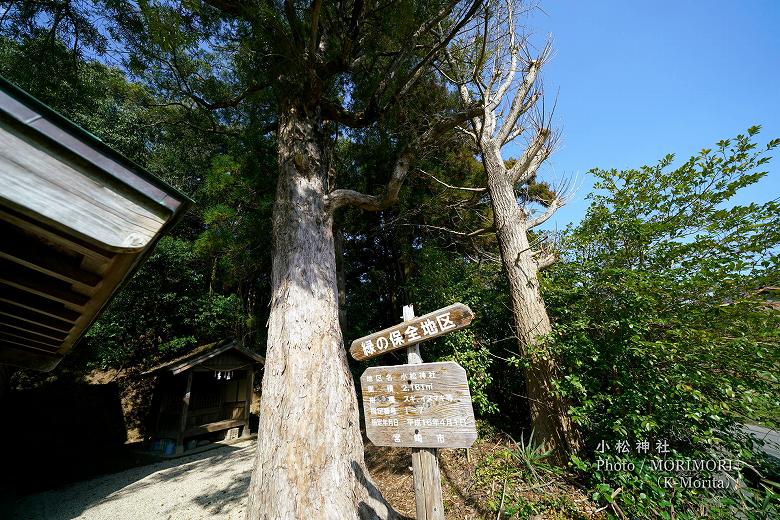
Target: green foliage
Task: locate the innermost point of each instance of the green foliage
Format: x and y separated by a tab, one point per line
658	319
523	483
177	345
165	309
442	278
94	96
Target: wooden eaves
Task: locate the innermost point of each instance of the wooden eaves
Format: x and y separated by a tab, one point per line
76	220
203	354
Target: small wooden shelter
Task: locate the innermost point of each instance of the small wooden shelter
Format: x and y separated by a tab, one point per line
76	219
206	391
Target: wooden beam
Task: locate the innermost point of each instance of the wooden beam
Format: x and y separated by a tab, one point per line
115	272
36	283
250	381
23	338
13	354
35	303
55	236
33	328
214	427
25	250
205	428
185	405
43	320
429	500
19	343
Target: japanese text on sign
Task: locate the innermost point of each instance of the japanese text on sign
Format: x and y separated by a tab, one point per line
426	405
413	331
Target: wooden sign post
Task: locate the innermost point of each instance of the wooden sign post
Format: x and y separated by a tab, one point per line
426	405
412	331
419	405
428	498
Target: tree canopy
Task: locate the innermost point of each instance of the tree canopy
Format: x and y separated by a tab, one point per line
324	131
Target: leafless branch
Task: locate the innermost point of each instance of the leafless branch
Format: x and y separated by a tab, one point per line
466	234
551	209
524	98
463	188
546	261
532	157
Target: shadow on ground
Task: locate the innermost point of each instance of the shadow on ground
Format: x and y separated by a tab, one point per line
110	495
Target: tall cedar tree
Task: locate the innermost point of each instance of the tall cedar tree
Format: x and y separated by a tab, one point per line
313	73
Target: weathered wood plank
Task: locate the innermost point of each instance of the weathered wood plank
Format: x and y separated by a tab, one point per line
55	236
426	405
38	180
23	339
214	427
34	282
39	304
25	250
33	328
250	381
204	428
412	332
26	315
21	356
429	500
184	410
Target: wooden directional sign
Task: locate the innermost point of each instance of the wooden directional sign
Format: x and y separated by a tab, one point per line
411	332
421	406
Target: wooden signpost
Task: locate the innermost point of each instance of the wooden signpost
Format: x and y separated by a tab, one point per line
418	406
422	405
413	331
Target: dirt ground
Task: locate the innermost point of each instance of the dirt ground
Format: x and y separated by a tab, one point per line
213	484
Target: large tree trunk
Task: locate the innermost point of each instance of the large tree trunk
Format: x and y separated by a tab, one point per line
549	412
309	461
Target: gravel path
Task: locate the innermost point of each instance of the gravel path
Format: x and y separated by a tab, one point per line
211	484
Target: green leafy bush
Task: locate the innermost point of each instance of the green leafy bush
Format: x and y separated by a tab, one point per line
659	322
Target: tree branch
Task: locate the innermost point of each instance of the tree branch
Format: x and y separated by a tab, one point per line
521	102
236	8
513	52
315	22
464	188
389	196
392	69
293	21
346	197
337	113
546	261
226	103
534	155
466	234
552	208
443	43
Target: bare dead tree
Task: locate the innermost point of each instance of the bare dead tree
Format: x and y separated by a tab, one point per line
493	65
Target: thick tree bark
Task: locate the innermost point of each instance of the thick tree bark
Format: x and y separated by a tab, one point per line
309	461
549	413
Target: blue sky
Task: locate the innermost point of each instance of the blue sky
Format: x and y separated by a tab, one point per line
638	79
